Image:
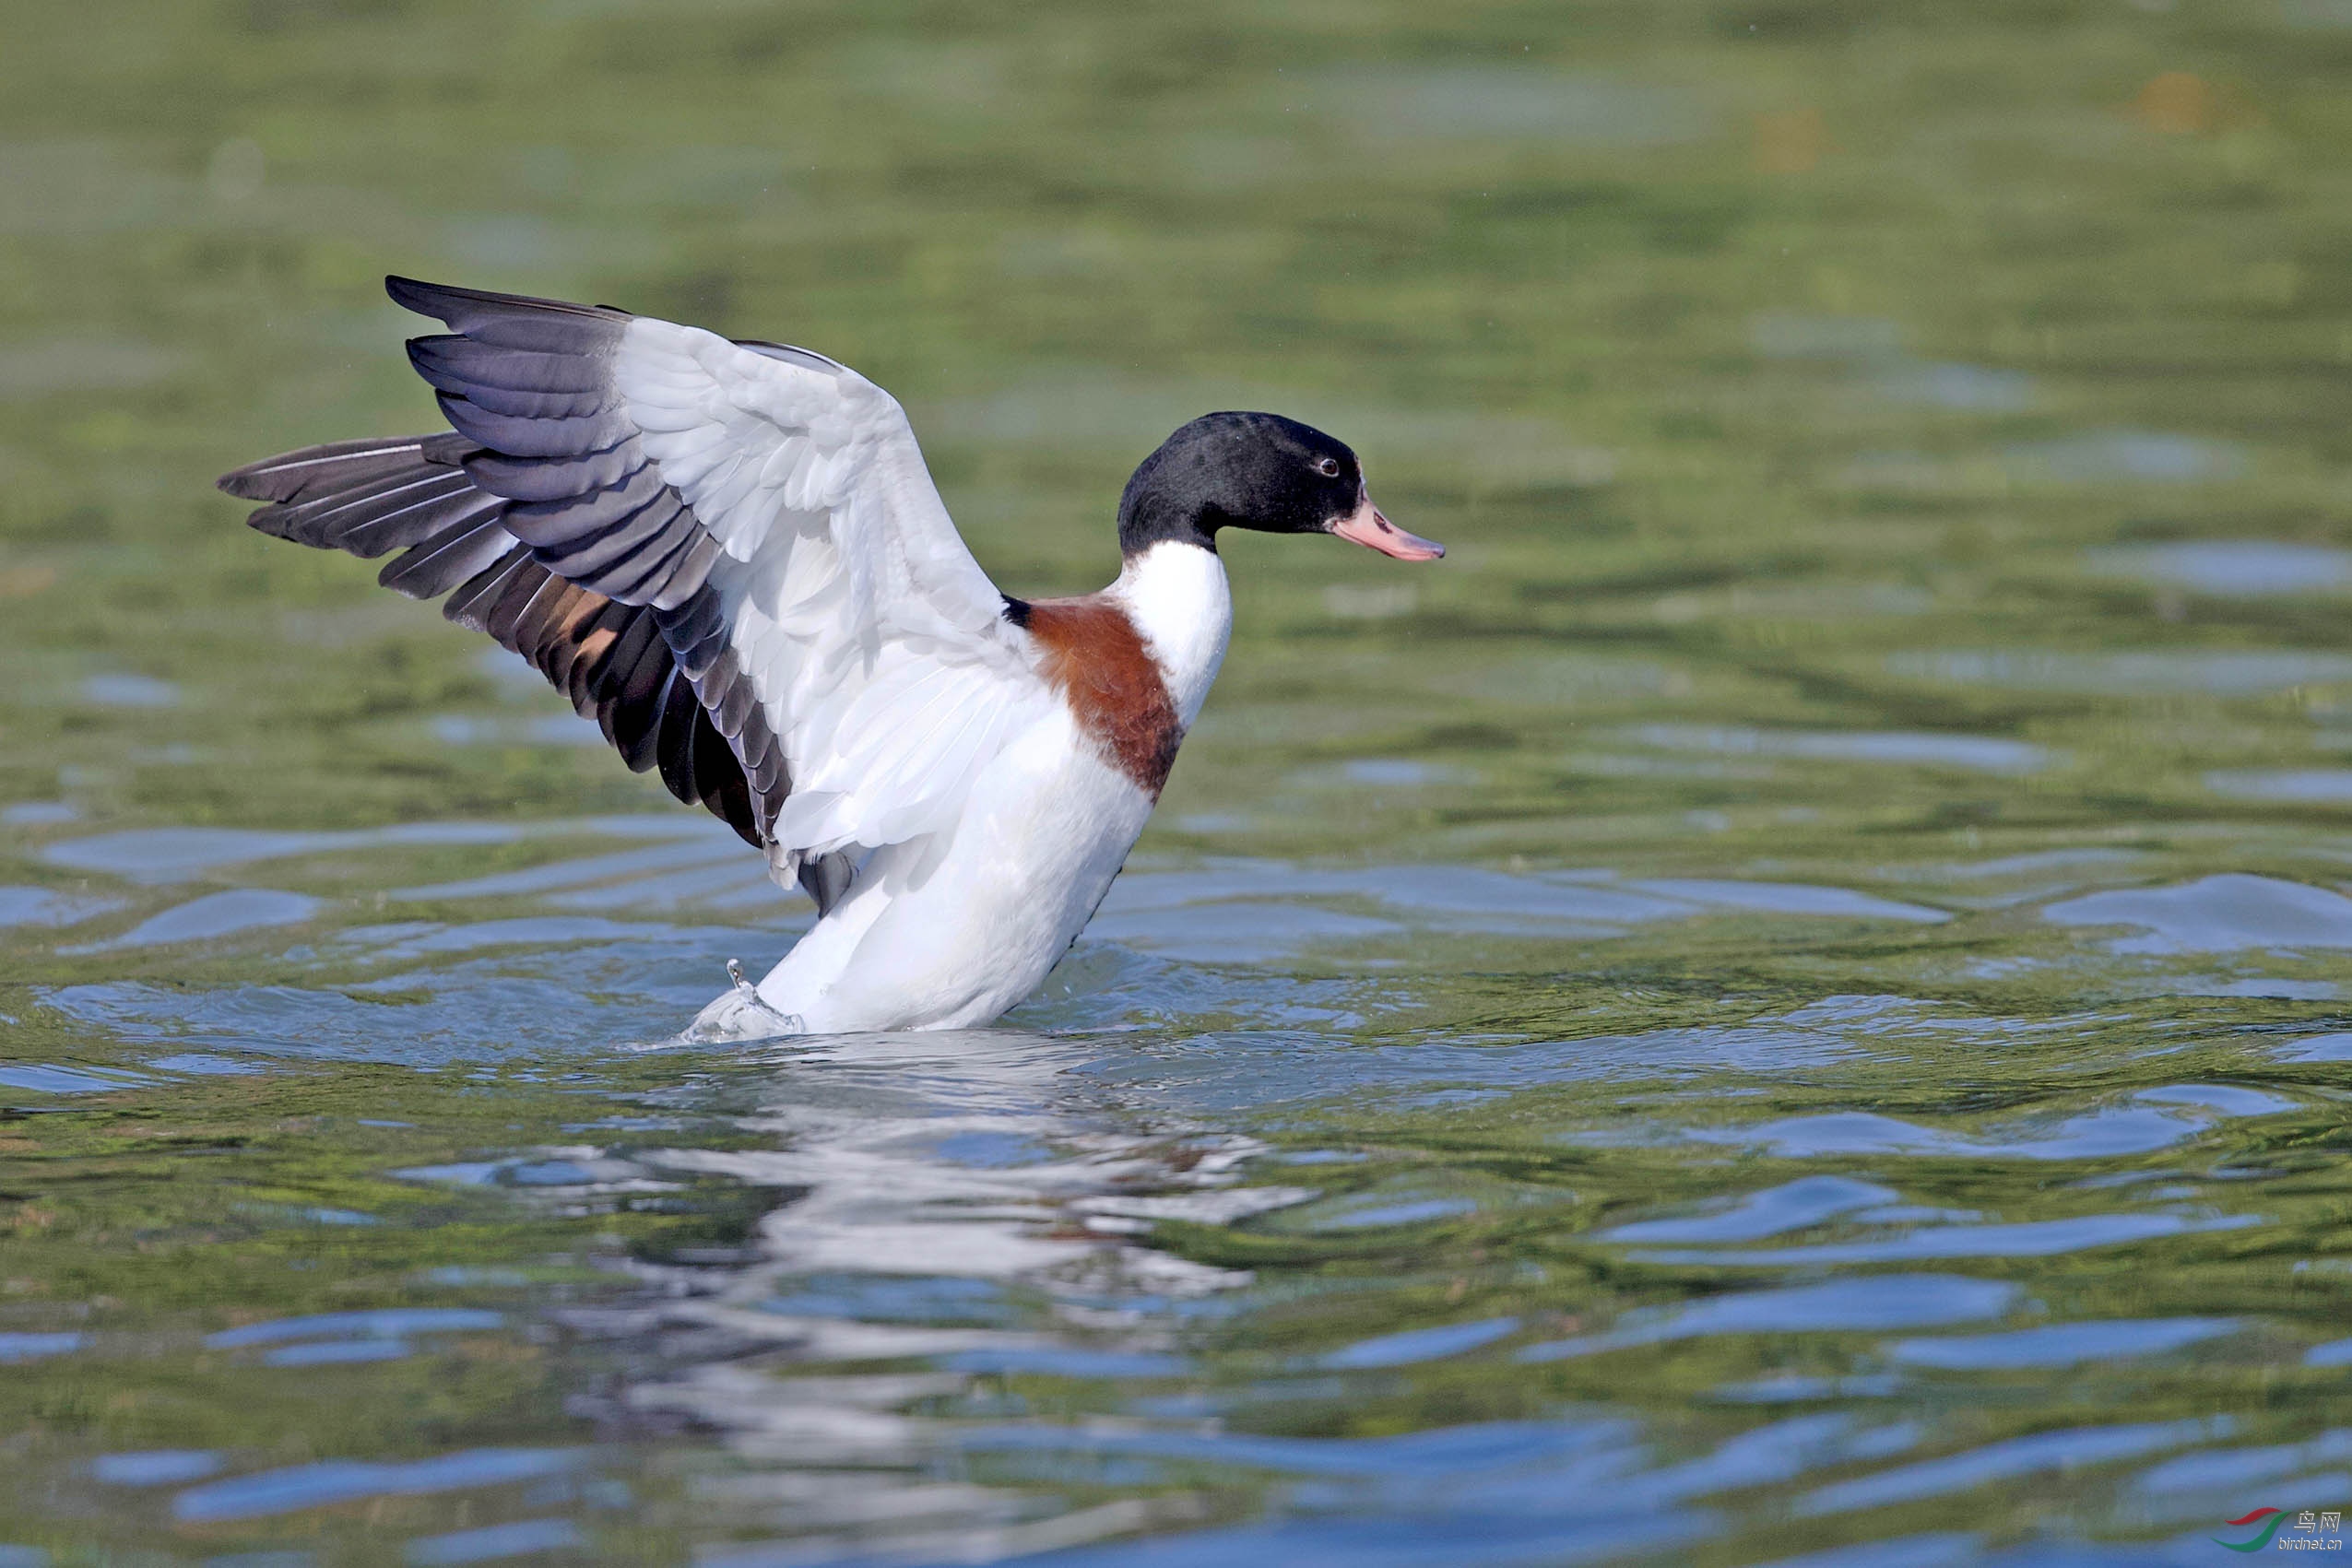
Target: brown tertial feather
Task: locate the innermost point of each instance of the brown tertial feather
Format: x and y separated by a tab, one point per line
1113	685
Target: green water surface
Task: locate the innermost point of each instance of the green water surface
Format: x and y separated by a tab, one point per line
1789	998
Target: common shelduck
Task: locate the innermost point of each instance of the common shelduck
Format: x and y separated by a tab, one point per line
731	555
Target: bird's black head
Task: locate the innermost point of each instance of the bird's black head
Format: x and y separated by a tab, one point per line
1255	471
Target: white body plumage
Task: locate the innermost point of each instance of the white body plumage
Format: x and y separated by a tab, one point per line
951	929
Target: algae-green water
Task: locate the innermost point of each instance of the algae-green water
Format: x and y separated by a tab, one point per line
1787	1003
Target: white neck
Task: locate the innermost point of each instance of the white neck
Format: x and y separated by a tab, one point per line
1176	596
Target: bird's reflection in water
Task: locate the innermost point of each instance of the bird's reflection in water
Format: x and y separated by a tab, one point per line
956	1212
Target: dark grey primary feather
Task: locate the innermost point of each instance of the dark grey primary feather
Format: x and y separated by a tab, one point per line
511	381
339	466
433	566
513	321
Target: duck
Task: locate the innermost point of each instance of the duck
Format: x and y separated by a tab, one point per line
730	555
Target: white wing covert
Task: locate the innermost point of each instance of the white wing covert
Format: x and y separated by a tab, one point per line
773	509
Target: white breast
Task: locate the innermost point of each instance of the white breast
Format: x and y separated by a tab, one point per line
1176	595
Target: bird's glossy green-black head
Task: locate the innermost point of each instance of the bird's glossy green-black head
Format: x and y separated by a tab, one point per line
1257	471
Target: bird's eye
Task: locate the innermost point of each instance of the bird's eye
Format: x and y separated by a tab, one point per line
1328	466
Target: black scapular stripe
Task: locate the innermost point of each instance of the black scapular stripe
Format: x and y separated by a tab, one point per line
369	497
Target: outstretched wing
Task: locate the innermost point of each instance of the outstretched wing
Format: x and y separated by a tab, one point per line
652	512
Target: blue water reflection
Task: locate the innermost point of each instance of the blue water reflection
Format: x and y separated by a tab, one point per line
492	1542
1874	1302
15	1347
157	1467
2059	1344
344	1480
2039	1453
